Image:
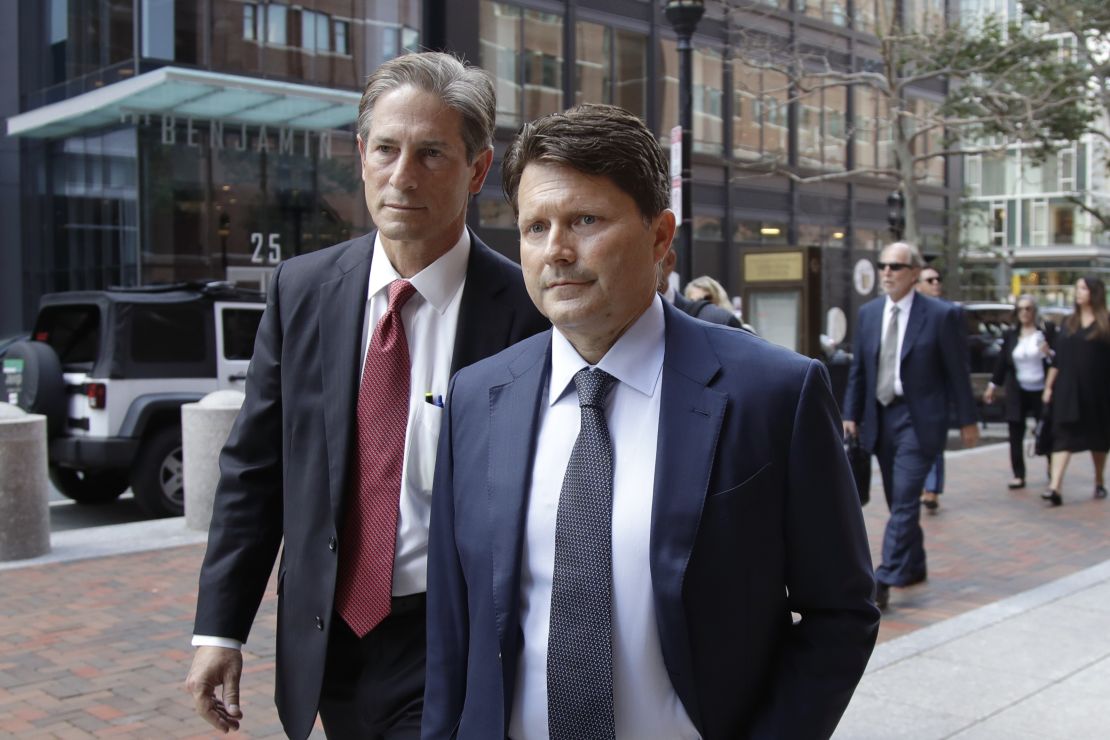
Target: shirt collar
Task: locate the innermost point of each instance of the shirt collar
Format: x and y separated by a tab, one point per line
903	305
437	283
635	359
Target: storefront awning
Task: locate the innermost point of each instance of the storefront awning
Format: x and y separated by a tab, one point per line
192	93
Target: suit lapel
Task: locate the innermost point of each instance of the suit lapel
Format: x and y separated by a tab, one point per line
914	324
342	310
514	413
690	420
484	321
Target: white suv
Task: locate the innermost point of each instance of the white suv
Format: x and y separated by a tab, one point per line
111	369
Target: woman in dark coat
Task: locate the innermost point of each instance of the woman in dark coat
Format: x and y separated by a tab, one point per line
1020	370
1078	387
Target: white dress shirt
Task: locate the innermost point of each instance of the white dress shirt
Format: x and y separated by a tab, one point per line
1029	361
431	318
645	703
904	306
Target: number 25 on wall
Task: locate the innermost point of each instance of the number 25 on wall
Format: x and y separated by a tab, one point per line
267	248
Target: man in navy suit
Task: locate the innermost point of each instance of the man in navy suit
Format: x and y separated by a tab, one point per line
294	472
910	363
625	562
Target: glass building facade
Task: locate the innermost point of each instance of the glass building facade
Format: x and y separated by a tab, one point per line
193	178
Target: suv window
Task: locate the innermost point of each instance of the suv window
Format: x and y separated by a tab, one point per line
168	334
73	331
240	326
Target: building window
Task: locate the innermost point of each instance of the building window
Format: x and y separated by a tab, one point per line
276	20
601	50
1063	224
998	223
529	83
1039	227
342	33
708	124
250	20
759	112
315	27
974	175
821	140
1066	169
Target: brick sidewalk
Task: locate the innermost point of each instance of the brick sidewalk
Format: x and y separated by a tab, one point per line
100	647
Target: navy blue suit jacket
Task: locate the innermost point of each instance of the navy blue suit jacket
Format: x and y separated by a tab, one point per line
753	496
284	471
934	367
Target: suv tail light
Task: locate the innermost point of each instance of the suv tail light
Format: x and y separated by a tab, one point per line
97	393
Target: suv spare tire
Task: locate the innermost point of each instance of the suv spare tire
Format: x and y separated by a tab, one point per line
33	381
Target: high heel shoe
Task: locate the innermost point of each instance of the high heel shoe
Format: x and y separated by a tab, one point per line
1100	491
1052	498
1016	483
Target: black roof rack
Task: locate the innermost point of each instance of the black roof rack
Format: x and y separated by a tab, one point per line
214	288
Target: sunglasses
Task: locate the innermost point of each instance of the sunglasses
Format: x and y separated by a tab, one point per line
933	280
892	266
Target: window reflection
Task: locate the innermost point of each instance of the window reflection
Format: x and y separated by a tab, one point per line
708	124
601	48
760	125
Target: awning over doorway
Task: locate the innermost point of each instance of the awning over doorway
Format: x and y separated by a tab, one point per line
192	93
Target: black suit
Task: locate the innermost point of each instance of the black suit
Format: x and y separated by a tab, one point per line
706	311
284	470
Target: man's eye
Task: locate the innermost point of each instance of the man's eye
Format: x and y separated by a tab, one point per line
589	220
535	229
385	148
433	153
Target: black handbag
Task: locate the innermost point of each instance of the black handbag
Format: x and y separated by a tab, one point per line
1042	433
859	460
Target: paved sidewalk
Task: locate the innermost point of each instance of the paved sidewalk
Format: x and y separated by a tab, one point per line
1009	638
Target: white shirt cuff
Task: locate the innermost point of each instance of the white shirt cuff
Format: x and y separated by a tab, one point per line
224	642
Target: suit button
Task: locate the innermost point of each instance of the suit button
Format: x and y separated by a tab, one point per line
331	544
320	623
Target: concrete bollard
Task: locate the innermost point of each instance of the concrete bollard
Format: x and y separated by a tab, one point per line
205	426
24	486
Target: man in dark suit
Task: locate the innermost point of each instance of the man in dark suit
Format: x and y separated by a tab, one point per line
627	509
703	310
910	364
333	454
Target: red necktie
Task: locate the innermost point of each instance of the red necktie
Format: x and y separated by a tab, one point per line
365	585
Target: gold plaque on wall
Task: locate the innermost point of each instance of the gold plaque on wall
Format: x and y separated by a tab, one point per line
774	267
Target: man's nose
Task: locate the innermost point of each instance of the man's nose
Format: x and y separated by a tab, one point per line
403	176
559	247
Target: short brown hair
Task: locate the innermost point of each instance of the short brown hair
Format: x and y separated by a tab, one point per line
466	89
595	140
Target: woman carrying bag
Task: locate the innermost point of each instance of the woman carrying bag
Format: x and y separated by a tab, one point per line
1078	387
1020	370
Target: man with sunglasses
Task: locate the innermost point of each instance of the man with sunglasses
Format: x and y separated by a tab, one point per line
931	284
910	364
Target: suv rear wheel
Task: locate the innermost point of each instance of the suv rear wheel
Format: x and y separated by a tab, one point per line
157	477
88	486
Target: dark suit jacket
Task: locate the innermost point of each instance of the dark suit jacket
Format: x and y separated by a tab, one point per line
1005	374
934	367
753	496
706	311
284	470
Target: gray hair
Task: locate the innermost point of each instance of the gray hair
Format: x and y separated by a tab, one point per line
915	254
466	89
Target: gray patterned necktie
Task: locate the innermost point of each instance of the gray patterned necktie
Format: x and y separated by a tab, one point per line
579	644
888	360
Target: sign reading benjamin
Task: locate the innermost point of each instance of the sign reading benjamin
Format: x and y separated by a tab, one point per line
191	132
863	277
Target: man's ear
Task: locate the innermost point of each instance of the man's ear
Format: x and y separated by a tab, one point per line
662	228
481	167
361	157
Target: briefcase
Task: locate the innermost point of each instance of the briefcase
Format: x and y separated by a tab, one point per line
860	461
1042	433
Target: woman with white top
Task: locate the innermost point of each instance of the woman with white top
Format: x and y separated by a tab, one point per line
1021	369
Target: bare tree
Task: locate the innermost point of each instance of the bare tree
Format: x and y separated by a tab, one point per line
926	89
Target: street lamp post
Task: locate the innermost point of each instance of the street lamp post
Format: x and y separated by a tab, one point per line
896	214
684	16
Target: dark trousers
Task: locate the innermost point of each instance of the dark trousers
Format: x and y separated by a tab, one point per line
1030	406
374	686
904	467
